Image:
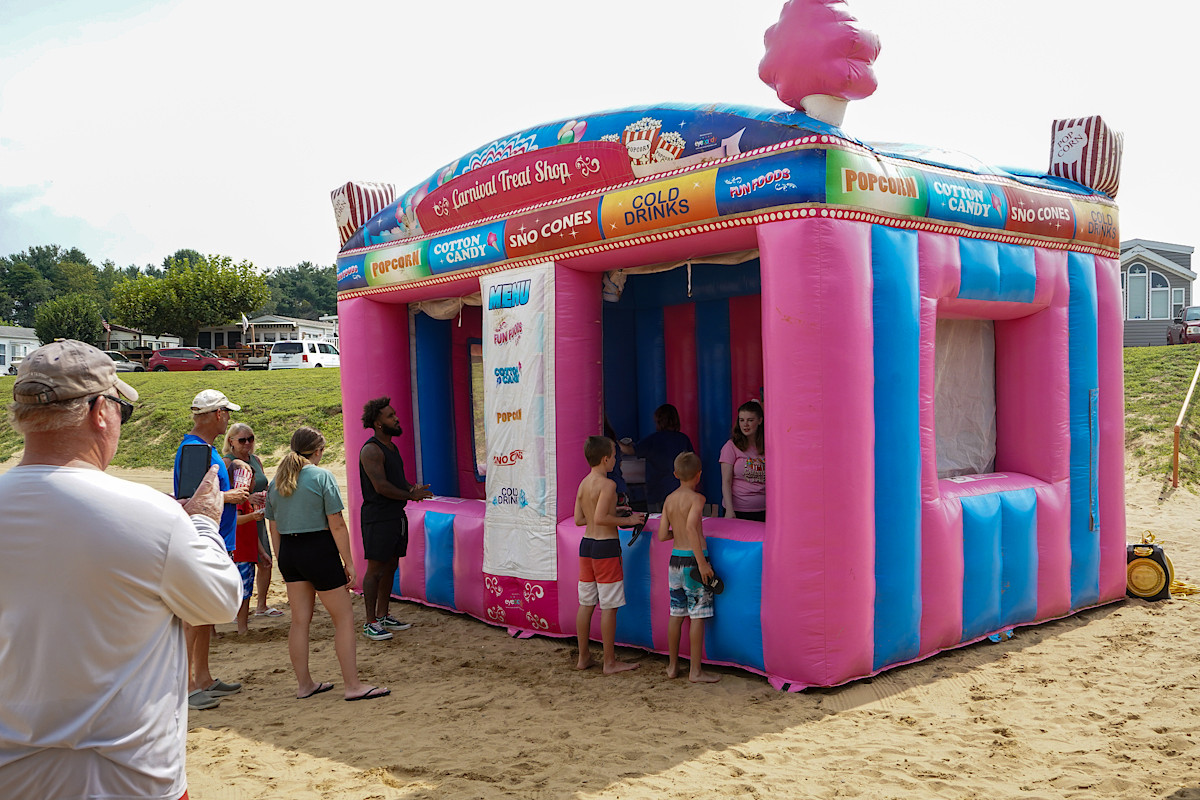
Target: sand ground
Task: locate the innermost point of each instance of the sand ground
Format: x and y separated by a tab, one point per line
1104	704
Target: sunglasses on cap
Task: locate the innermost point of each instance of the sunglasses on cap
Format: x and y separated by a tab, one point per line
126	406
245	439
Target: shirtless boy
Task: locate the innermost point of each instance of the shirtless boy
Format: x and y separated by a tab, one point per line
681	521
600	577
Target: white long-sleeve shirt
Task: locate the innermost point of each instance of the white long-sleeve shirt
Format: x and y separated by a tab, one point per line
95	575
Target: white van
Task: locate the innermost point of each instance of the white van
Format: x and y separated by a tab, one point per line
309	353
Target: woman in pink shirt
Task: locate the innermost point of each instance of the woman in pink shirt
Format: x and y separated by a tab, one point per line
744	466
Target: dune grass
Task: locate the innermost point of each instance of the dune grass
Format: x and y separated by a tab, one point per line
1156	383
276	403
273	403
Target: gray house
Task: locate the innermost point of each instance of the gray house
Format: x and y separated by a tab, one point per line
1156	285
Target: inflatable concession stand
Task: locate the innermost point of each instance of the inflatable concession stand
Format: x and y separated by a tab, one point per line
936	343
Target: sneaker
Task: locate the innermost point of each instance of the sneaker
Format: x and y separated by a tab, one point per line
392	624
221	688
201	700
375	633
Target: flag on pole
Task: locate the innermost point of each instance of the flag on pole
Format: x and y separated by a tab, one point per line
245	323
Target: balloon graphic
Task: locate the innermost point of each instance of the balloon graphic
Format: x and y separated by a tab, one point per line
566	133
578	130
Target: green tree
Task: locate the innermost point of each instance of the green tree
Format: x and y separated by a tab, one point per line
189	296
305	291
23	288
69	317
183	257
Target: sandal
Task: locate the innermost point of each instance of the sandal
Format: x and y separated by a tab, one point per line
270	612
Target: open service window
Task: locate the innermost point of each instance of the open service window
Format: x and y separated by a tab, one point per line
965	397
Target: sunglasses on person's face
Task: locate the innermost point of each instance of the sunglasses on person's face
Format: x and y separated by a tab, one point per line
245	439
126	406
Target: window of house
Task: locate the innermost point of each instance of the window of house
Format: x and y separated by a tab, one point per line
3	354
1177	303
1160	296
1137	293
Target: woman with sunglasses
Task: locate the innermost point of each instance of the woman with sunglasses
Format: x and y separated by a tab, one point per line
253	545
312	547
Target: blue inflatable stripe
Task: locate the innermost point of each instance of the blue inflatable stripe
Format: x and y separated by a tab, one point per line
1084	380
1018	578
620	382
633	621
439	559
439	465
981	565
734	633
994	271
651	368
1018	275
715	389
896	298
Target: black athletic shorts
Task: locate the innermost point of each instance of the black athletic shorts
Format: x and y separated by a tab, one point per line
311	557
386	540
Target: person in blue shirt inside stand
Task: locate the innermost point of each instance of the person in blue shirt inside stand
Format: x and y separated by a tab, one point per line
659	449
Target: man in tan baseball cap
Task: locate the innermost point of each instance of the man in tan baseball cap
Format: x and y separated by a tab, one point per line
67	369
96	712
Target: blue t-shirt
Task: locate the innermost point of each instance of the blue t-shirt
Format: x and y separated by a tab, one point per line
659	449
229	513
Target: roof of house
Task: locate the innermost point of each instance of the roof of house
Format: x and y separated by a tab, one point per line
15	332
1139	250
1153	245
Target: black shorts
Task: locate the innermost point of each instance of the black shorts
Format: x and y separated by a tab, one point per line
386	540
311	557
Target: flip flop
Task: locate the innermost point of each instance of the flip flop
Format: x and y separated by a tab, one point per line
637	531
321	687
270	612
371	694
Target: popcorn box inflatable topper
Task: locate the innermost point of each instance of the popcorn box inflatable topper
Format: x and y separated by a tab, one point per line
1087	151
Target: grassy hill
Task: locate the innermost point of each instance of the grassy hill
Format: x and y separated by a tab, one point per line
276	403
273	403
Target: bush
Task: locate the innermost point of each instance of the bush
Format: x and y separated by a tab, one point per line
69	317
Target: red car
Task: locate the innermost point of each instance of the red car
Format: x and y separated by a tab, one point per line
187	359
1185	329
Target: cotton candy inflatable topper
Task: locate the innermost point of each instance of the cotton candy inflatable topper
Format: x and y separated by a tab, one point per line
818	59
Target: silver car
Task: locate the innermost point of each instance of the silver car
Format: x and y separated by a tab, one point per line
122	363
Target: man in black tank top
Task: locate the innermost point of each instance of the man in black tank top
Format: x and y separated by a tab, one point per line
385	492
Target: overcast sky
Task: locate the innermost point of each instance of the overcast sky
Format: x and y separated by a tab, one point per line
131	129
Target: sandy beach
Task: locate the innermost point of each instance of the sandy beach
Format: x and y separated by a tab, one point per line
1104	704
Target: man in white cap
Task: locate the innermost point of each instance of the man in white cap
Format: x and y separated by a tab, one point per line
99	709
210	420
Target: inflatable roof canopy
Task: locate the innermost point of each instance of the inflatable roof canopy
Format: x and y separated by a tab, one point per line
937	344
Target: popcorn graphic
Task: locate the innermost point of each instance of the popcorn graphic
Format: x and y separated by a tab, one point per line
670	147
640	139
611	137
